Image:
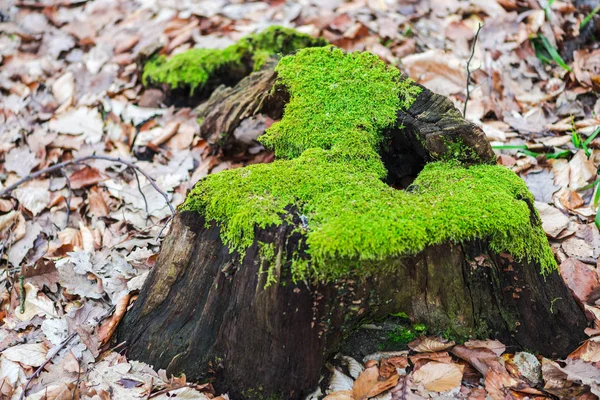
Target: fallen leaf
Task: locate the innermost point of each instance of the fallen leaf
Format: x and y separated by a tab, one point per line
553	220
81	121
439	377
34	195
31	354
430	344
579	277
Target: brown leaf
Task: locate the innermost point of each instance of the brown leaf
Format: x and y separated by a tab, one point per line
579	277
430	344
340	395
97	203
109	326
586	65
368	384
589	351
86	176
480	358
419	360
494	345
439	377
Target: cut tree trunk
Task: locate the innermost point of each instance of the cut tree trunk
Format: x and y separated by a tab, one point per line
207	313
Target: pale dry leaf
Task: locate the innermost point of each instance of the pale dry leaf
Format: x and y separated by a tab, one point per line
34	195
81	121
354	367
553	220
442	72
63	88
19	249
494	345
21	161
582	171
439	377
339	381
430	344
340	395
31	354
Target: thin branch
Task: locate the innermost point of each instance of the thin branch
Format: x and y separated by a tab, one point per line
41	367
469	69
58	350
137	179
68	198
75	161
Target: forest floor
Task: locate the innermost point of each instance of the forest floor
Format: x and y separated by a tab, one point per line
77	243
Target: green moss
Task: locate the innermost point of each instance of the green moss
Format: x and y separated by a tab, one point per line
194	68
329	172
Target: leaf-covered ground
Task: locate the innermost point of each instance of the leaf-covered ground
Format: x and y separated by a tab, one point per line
76	244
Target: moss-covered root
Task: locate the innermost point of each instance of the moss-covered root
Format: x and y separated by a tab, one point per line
331	173
196	68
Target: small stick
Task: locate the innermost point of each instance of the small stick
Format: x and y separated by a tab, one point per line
58	349
469	69
22	294
63	164
41	367
68	198
137	178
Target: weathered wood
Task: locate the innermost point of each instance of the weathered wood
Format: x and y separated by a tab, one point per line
227	107
207	314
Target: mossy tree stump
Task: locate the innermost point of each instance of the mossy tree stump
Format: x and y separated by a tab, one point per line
268	267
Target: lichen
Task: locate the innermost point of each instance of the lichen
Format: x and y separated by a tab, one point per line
196	67
329	172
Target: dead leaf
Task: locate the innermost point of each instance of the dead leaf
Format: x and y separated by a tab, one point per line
86	176
586	65
81	121
430	344
553	221
34	195
442	72
21	160
31	354
582	171
579	277
439	377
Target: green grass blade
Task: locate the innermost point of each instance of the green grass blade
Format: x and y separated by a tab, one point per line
589	17
591	137
554	53
591	185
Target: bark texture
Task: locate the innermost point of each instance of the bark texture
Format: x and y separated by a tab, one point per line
207	314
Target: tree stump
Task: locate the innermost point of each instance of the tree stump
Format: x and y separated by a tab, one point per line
268	268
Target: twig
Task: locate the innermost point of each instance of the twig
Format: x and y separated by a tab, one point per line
78	379
41	367
137	179
469	69
63	164
68	198
22	294
58	350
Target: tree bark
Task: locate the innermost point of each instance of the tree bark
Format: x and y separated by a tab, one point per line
206	314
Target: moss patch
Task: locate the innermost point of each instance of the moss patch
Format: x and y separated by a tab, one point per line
330	172
196	67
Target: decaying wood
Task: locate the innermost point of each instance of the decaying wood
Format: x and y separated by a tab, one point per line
207	313
204	313
227	107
